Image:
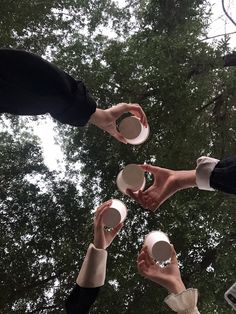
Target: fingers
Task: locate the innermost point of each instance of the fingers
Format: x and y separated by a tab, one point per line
132	195
147	198
135	109
142	268
137	196
144	199
144	262
150	198
153	208
149	168
148	259
141	255
141	263
152	205
100	210
173	256
103	205
119	137
120	109
153	197
116	230
144	256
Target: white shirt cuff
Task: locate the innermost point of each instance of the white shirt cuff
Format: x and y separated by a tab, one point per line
184	302
205	166
93	271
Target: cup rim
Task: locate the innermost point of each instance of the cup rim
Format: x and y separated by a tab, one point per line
122	187
144	134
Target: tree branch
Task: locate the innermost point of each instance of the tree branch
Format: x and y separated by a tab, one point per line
215	99
20	291
219	35
41	282
226	13
42	308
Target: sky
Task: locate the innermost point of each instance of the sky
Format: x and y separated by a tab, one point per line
53	155
219	24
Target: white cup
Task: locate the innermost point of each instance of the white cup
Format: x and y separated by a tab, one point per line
115	214
158	245
131	177
133	130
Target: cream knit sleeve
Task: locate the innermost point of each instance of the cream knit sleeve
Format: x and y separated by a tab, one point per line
184	302
205	166
93	271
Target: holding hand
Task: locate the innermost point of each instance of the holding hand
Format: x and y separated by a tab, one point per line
166	183
106	119
168	277
102	237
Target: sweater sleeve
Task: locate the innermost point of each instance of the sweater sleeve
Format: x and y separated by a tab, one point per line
205	166
223	177
31	85
184	302
91	277
213	174
81	299
93	271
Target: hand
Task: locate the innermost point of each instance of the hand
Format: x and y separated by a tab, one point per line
103	238
168	277
166	183
163	187
106	119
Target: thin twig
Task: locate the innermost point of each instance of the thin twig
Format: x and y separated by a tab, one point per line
227	14
230	33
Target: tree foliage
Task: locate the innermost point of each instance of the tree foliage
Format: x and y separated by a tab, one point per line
189	98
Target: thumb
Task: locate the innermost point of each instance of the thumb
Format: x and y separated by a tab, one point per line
119	137
116	230
173	256
149	168
119	109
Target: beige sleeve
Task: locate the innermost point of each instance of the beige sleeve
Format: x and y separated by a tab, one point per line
184	302
205	166
93	271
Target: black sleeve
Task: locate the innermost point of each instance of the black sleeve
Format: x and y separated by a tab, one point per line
223	177
81	299
29	85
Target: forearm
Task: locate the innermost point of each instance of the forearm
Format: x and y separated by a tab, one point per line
96	117
210	174
185	179
177	287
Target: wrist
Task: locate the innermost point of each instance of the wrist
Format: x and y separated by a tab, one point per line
98	245
95	117
185	179
177	287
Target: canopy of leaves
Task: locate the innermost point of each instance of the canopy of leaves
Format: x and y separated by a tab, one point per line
189	98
